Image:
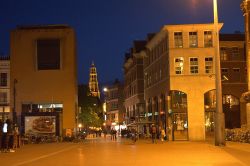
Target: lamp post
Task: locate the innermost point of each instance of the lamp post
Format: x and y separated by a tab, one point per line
105	90
14	104
245	7
219	115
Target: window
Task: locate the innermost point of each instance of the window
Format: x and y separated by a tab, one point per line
194	67
178	39
3	79
209	65
193	39
179	63
208	39
235	52
237	70
231	100
48	54
223	54
3	97
235	77
224	70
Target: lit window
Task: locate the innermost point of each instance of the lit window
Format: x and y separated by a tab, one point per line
178	39
223	54
230	100
179	64
193	39
209	65
208	39
194	66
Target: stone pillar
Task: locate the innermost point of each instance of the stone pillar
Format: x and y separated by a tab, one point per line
168	118
196	117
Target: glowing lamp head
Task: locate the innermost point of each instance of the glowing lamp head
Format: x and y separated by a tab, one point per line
105	89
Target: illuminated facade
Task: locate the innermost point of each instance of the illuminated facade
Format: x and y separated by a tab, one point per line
4	87
114	100
179	70
93	81
134	84
43	77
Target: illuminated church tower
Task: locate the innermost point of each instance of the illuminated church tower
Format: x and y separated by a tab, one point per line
93	82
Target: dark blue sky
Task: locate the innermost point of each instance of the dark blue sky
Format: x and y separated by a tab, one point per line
105	29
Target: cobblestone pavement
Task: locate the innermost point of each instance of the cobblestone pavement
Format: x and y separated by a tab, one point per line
104	152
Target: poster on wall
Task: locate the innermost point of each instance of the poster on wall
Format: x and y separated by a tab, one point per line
40	124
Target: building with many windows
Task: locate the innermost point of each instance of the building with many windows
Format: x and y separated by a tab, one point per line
114	108
134	83
5	108
43	78
179	70
234	78
179	81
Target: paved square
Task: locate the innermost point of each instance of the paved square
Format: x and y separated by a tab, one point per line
101	152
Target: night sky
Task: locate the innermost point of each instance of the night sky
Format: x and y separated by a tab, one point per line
105	29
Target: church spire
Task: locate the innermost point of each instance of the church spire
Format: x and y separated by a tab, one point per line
93	82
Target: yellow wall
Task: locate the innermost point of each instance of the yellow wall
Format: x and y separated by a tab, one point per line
194	85
45	85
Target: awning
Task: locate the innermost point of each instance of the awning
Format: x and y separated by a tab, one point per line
138	124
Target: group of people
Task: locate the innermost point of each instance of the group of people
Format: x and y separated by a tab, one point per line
113	133
157	133
8	136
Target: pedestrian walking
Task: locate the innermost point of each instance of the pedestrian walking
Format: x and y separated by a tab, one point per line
105	133
133	135
153	133
4	137
112	134
163	134
10	136
115	132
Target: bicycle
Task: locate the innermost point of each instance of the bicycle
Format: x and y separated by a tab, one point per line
134	137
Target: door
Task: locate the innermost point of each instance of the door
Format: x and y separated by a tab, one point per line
180	126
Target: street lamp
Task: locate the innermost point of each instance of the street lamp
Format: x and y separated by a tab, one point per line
14	104
219	115
104	106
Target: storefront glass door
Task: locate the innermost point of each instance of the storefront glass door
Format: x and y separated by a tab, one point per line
180	126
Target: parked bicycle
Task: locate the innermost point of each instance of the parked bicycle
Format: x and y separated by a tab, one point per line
134	135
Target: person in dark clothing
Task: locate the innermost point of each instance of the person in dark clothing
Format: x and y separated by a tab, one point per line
1	135
115	132
112	134
9	136
153	133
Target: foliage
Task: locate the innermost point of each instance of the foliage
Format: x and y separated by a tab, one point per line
238	135
91	108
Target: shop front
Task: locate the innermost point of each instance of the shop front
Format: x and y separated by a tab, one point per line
41	119
178	116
